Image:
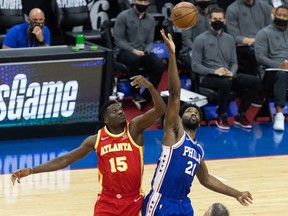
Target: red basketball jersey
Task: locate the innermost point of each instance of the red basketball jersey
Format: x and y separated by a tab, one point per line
120	162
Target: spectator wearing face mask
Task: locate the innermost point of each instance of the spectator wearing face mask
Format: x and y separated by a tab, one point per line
271	49
32	33
188	35
214	57
244	19
134	36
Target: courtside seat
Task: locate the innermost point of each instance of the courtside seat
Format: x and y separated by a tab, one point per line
70	17
9	18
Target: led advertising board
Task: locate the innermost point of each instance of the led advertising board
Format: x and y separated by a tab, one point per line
50	92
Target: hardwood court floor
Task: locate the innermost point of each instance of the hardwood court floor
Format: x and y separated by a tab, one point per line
254	160
73	192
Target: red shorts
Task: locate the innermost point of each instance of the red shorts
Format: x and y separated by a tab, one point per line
118	204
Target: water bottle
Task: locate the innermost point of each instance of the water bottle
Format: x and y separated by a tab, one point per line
80	41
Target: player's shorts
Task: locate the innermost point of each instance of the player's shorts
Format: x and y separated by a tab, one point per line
157	205
118	204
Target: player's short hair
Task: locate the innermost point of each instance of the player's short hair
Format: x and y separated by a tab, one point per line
105	106
186	106
218	209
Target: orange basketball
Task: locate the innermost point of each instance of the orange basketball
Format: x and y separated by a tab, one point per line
184	15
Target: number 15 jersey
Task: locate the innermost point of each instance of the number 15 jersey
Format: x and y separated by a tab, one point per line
120	162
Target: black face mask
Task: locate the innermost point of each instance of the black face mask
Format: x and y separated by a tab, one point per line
217	25
203	4
280	22
32	37
141	8
32	25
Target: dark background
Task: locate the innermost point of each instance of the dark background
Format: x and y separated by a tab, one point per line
161	6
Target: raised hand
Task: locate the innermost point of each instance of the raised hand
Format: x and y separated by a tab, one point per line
139	81
168	41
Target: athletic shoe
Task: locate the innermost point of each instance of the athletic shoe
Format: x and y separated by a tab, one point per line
242	121
279	122
222	122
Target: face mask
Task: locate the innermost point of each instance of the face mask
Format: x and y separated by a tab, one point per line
32	37
32	25
217	25
141	8
280	22
203	4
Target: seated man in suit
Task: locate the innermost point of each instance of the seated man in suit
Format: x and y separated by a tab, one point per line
214	57
271	49
33	33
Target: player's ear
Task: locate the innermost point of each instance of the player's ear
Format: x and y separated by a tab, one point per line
106	120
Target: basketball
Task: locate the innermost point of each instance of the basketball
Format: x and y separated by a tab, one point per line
184	15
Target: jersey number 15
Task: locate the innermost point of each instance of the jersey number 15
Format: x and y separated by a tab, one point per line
118	164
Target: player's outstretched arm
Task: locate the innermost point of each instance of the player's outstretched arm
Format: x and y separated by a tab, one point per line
172	123
146	120
174	85
57	163
212	183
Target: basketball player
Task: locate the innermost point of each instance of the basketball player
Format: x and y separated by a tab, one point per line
182	158
120	157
